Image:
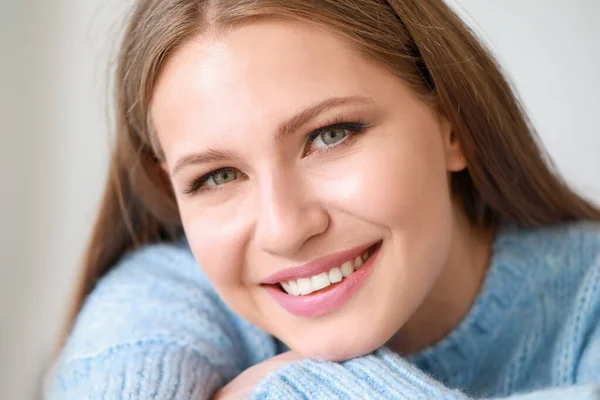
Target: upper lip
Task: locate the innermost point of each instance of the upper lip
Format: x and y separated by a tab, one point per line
317	266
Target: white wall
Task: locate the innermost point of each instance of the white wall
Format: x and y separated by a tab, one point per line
54	152
551	50
54	139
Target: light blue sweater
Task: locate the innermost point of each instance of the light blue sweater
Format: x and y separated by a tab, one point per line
155	329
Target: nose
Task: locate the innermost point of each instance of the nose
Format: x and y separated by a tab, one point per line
289	214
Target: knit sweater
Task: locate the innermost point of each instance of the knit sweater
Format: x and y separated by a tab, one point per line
154	328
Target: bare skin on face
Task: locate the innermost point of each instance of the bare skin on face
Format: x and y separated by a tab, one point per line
286	148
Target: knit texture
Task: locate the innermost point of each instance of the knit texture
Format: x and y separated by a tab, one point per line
154	328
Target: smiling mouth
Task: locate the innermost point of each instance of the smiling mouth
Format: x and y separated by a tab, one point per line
335	275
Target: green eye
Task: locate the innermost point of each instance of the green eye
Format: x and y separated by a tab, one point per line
222	177
330	136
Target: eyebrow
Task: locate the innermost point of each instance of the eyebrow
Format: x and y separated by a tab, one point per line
285	129
208	156
296	122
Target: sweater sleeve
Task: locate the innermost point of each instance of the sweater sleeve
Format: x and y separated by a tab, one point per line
385	375
153	328
380	375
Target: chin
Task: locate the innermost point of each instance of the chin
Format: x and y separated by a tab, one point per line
338	353
335	348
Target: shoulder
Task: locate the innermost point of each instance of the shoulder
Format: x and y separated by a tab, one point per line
153	262
560	236
572	251
155	313
576	291
571	255
566	273
559	250
156	294
580	240
559	265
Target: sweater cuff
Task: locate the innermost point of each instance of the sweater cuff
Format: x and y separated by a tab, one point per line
137	371
380	375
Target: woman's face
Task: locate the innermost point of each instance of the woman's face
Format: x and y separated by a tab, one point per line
299	166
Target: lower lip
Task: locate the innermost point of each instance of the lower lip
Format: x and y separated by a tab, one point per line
328	299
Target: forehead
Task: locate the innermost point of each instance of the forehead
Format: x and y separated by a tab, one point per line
255	74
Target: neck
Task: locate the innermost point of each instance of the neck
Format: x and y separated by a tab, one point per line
454	292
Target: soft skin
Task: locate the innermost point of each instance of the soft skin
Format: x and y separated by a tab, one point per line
285	200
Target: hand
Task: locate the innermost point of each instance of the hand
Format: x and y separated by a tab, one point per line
244	383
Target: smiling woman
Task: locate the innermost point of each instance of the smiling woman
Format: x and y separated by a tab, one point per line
361	192
292	192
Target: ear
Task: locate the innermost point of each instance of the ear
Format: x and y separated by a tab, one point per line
455	159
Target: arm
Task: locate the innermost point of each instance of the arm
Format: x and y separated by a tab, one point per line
381	375
385	375
153	328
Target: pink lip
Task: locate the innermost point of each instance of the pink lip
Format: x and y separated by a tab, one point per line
328	299
316	267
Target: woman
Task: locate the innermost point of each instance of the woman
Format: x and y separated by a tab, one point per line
366	199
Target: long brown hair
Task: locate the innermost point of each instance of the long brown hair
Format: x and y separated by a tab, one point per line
421	41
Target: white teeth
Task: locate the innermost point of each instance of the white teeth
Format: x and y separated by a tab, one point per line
335	275
304	286
320	281
347	269
293	288
358	262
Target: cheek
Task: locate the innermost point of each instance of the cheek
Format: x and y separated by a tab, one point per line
217	244
402	188
218	238
402	180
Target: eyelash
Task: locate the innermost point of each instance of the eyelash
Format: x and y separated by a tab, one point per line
353	128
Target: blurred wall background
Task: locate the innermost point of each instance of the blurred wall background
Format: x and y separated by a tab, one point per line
55	139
